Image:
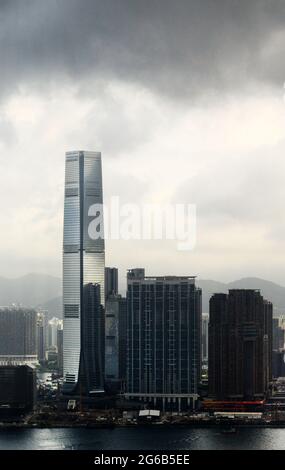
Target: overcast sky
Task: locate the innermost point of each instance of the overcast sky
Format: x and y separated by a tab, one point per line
185	100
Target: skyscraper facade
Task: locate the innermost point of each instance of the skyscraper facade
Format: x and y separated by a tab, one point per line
277	335
60	351
111	281
205	327
115	341
53	325
91	369
278	353
41	337
163	340
18	336
83	264
240	345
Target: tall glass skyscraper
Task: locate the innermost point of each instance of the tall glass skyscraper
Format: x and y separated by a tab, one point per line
83	267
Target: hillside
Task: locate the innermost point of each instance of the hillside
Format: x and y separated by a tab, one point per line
270	291
39	290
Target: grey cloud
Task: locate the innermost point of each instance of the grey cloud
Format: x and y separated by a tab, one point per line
177	48
7	132
112	126
249	190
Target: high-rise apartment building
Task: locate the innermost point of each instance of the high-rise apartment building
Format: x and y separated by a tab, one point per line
54	325
278	363
205	332
60	350
83	267
41	337
115	341
277	335
240	345
18	336
163	340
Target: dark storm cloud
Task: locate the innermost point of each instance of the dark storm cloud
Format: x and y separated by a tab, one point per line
174	47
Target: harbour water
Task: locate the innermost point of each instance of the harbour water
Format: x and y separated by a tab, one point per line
141	438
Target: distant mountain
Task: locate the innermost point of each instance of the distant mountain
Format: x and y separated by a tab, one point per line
270	291
39	290
54	307
209	288
32	290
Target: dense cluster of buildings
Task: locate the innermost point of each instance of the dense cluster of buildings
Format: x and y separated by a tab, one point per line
154	346
29	338
156	340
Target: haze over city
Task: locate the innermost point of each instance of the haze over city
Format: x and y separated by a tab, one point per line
185	102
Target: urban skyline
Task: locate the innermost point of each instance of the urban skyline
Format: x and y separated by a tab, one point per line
163	325
141	199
